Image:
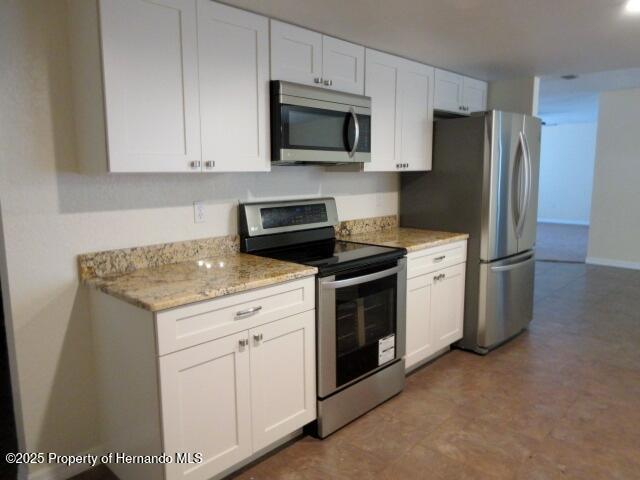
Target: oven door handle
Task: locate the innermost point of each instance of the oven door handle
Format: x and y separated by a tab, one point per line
348	282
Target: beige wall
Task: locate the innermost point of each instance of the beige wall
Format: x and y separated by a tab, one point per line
614	236
518	95
51	214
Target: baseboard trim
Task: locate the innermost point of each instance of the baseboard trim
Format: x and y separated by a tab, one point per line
610	262
558	221
57	471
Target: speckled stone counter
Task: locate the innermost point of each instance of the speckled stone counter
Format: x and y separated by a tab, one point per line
178	284
412	239
159	277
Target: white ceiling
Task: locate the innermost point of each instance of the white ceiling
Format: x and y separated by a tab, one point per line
576	101
487	39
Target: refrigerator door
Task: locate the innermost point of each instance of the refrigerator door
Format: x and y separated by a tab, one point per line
529	151
501	195
506	298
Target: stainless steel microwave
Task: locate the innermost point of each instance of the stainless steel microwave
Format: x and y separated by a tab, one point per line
318	126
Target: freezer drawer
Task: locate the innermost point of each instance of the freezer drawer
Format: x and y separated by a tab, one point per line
506	298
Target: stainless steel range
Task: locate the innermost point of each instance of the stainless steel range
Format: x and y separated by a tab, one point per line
361	303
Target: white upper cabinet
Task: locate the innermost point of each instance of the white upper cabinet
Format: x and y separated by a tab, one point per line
459	94
382	79
296	54
170	86
416	116
149	55
303	56
401	93
342	65
233	60
448	91
475	95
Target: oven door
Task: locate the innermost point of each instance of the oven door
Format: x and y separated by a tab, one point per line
314	131
361	324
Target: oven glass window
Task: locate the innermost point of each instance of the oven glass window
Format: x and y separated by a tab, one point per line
307	128
365	314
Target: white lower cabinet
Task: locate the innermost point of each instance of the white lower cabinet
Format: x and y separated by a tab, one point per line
226	378
447	306
283	377
435	301
206	406
419	335
234	396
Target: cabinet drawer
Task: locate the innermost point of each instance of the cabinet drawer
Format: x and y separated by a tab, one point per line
194	324
432	259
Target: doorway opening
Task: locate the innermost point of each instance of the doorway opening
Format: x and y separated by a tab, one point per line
567	161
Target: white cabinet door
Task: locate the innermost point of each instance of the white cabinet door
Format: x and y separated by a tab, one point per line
474	95
447	306
283	377
296	54
382	76
448	93
150	71
233	59
416	116
342	65
206	406
419	321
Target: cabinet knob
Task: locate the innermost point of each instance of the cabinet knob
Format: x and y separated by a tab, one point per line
210	164
194	164
317	80
440	258
328	83
257	338
243	342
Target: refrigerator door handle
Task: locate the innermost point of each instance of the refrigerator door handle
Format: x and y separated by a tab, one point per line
521	261
526	157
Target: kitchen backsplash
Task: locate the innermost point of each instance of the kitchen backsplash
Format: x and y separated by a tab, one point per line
117	262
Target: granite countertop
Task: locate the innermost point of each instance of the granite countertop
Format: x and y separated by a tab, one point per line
173	285
413	239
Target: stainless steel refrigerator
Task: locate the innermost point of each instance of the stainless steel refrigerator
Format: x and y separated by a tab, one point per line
484	182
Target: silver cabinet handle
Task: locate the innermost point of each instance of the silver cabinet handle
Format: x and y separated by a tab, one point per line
328	83
356	125
194	164
247	312
257	338
440	258
243	342
439	277
210	164
317	80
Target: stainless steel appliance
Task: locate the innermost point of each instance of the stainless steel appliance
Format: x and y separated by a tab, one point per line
317	125
484	181
360	309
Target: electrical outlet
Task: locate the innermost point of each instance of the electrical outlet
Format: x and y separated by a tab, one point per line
198	212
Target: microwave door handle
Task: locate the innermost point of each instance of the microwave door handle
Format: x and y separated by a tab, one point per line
363	279
356	125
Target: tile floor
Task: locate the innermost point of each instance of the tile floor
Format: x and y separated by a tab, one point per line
561	401
559	242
